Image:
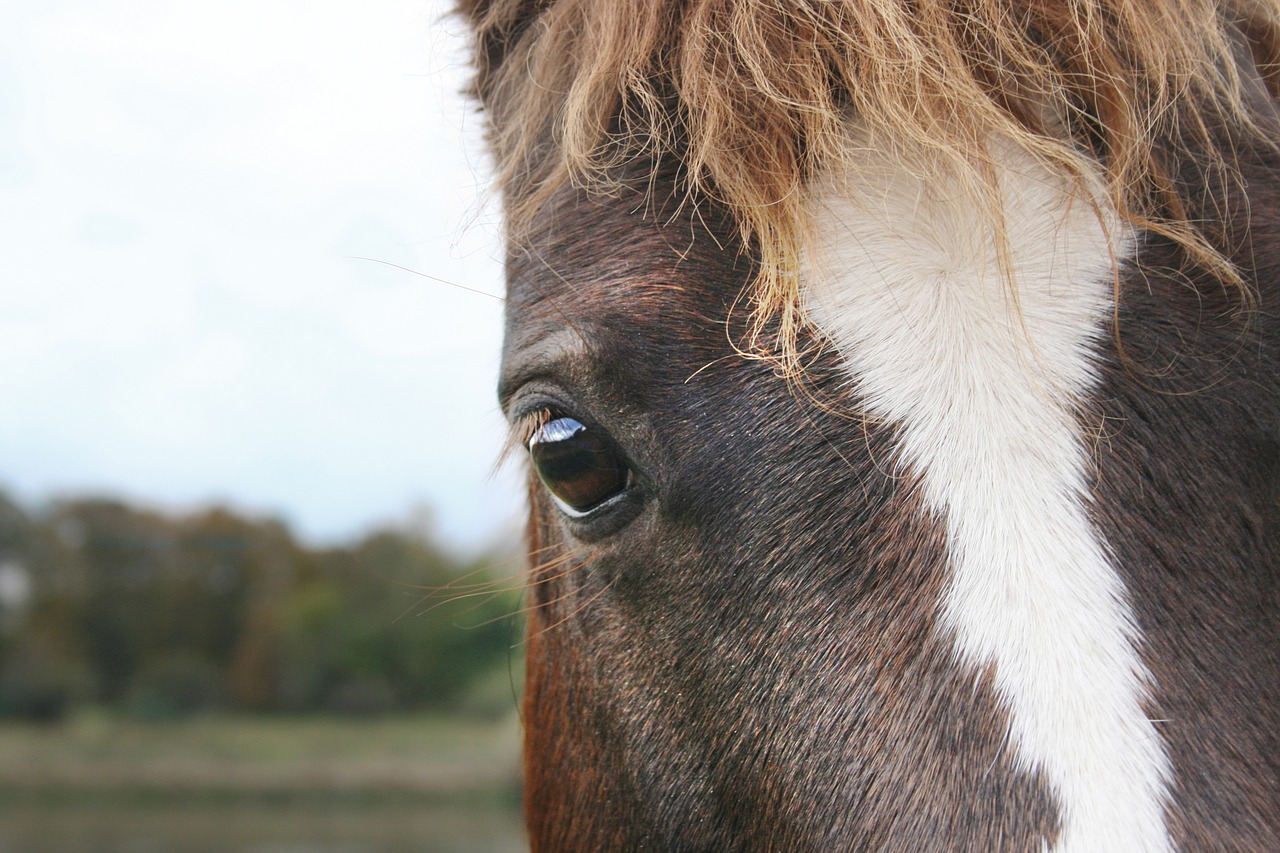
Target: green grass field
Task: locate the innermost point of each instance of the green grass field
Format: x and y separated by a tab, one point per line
95	752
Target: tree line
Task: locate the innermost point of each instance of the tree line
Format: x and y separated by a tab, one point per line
162	615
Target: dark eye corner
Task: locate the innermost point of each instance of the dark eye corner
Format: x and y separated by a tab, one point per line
578	463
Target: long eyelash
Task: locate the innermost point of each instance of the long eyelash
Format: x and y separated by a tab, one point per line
526	427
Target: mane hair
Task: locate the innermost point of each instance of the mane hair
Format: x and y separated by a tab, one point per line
756	97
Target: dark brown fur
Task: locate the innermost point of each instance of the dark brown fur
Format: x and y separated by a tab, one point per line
1188	488
746	654
732	685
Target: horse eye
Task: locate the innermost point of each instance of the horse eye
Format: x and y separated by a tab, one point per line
576	465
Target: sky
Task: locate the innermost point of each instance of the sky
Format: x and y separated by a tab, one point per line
212	222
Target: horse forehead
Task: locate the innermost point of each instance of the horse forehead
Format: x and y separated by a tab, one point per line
613	275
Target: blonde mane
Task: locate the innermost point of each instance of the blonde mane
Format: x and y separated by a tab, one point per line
755	97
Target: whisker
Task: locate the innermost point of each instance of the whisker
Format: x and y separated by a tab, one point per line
429	277
488	567
569	592
578	609
495	587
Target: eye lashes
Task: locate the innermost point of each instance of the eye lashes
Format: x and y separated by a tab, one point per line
527	426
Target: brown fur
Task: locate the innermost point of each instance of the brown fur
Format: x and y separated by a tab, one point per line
755	98
743	652
708	678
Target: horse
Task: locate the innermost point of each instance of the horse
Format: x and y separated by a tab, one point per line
898	381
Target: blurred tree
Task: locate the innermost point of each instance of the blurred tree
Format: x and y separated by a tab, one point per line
41	671
169	615
379	615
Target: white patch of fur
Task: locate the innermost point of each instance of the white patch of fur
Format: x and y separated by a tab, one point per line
984	391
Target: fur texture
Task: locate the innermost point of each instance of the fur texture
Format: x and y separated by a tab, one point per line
986	554
753	98
985	392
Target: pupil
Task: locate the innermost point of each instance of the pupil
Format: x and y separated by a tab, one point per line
576	465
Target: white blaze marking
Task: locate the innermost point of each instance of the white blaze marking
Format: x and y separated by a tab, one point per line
984	395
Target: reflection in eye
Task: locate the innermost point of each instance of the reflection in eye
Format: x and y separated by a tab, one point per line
576	465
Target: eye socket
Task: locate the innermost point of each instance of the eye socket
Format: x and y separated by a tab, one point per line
577	466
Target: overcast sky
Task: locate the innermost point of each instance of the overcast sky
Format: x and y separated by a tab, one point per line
186	193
